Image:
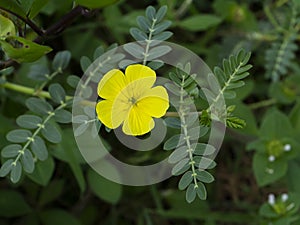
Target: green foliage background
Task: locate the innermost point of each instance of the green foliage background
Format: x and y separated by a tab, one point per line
45	179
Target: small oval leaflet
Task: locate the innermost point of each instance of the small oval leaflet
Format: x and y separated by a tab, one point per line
190	194
63	116
16	172
27	161
201	191
39	148
6	167
18	136
204	176
178	154
185	180
11	151
179	166
51	133
38	106
29	121
57	93
61	60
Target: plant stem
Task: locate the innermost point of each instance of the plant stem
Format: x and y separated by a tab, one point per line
27	21
148	41
182	9
263	103
182	115
28	90
155	196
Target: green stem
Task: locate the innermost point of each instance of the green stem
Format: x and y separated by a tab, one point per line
227	83
148	41
46	82
37	131
182	115
182	9
28	90
156	198
272	19
263	103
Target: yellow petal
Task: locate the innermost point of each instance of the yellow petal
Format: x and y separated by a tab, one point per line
112	113
138	72
154	102
111	84
137	123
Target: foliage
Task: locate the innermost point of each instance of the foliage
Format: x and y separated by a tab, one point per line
47	46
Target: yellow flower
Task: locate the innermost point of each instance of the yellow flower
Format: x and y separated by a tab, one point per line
131	100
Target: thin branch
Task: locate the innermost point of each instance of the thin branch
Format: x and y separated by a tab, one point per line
55	29
26	20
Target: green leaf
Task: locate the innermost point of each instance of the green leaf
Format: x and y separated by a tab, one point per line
161	13
143	23
29	121
7	27
135	50
190	193
158	51
173	122
13	7
12	204
63	116
16	172
18	136
178	154
161	27
204	163
273	124
39	72
6	167
150	12
27	161
39	148
73	81
201	191
25	4
173	142
204	149
137	34
179	166
43	172
61	60
11	151
204	176
38	106
268	172
185	180
93	4
37	7
58	216
24	51
200	22
51	133
105	189
51	192
69	147
57	93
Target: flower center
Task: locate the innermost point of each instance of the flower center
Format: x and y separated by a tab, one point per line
132	100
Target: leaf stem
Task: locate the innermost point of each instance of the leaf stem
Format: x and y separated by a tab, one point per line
148	41
37	131
182	9
28	90
263	103
182	115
